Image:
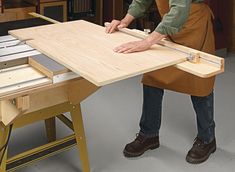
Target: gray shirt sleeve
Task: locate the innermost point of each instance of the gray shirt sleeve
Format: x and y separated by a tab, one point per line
139	7
173	21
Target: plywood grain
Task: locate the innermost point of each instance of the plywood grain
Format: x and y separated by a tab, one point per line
87	50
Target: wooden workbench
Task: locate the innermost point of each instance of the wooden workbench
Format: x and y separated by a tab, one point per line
34	88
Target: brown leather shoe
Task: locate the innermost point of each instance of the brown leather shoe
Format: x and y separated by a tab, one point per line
140	145
200	151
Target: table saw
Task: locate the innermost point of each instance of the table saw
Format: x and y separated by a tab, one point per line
47	71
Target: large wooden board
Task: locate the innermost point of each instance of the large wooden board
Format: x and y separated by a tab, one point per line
87	50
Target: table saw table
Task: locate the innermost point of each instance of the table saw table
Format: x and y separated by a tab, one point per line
47	71
33	88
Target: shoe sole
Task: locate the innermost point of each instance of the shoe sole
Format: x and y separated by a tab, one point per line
201	160
132	155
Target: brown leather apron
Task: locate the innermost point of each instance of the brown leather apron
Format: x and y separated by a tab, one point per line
196	33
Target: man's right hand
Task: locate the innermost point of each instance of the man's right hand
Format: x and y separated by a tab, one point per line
115	25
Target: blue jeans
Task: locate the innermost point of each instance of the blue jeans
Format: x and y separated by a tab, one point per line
152	109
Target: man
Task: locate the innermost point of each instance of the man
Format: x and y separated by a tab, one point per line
186	22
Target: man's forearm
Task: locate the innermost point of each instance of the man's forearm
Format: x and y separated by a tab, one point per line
154	37
127	19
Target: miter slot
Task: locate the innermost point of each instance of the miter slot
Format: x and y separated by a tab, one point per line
21	77
9	43
15	50
18	55
4	92
18	75
13	53
7	38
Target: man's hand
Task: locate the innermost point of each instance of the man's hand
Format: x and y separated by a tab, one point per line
118	24
115	25
131	47
135	46
142	45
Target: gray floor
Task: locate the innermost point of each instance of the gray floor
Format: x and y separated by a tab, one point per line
111	118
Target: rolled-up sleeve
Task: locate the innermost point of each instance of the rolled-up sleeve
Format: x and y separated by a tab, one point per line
139	7
173	21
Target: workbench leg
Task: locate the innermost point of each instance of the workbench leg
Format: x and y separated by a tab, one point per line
51	129
4	133
80	136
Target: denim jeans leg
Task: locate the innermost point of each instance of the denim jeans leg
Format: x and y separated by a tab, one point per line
150	121
204	108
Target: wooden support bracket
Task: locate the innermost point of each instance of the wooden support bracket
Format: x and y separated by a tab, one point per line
23	103
79	90
8	112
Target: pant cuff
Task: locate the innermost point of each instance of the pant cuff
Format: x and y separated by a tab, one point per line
206	140
148	135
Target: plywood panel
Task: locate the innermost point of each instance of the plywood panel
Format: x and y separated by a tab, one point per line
86	49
